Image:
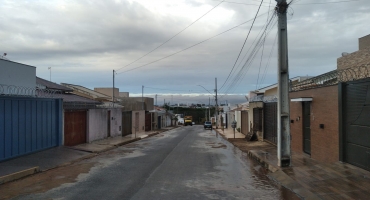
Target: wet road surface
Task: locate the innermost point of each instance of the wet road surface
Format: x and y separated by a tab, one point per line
184	163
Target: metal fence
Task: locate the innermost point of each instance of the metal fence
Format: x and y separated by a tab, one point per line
12	90
334	77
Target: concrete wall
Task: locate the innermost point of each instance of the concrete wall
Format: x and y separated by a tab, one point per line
12	73
124	94
271	92
355	59
364	42
97	125
358	58
230	118
108	91
238	119
116	122
324	110
140	125
148	102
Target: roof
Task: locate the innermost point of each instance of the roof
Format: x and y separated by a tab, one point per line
6	60
51	85
68	97
89	92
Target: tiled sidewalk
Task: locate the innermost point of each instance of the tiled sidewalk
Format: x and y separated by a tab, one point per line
307	177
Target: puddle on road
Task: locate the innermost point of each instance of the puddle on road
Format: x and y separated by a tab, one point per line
45	181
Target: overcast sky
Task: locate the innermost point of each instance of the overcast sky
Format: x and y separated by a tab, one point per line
84	41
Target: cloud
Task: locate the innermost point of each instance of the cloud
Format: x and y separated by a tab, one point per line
83	41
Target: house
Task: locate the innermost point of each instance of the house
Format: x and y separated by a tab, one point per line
15	76
86	119
262	112
135	110
29	122
330	113
88	93
161	117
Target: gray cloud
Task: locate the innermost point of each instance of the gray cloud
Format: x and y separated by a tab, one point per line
84	41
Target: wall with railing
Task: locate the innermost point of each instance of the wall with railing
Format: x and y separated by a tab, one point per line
334	77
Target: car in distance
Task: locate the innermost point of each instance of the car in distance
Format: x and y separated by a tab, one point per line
207	125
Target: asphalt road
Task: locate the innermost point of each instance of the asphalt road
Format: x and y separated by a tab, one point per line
184	163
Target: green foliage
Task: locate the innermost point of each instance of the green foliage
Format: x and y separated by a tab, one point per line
198	114
238	129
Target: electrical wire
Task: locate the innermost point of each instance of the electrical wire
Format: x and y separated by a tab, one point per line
254	45
268	61
263	48
247	64
171	37
190	46
250	29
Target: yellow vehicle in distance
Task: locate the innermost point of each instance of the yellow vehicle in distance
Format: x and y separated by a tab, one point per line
188	120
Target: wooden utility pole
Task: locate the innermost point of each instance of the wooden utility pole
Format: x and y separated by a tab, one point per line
283	118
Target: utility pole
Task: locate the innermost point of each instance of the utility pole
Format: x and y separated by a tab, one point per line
156	99
283	118
142	97
216	113
113	89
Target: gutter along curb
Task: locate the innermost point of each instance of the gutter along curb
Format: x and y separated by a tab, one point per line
277	174
35	170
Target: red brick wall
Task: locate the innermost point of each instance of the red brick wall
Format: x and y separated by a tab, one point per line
324	110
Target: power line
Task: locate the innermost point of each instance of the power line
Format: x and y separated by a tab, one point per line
268	61
263	48
171	37
190	46
243	70
256	43
250	29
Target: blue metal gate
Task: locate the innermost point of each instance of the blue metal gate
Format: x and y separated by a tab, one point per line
28	125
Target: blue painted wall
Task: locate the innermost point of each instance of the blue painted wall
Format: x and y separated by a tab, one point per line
29	125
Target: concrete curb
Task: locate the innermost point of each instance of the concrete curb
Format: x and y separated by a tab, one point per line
18	175
153	134
126	142
278	175
34	170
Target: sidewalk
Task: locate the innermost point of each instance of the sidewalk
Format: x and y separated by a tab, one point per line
60	156
307	177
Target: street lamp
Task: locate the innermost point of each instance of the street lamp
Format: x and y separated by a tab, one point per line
205	89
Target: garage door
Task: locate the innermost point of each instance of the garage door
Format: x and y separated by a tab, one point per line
74	127
356	126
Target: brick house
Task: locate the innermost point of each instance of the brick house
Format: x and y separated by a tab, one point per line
329	113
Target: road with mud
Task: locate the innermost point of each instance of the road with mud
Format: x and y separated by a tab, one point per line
184	163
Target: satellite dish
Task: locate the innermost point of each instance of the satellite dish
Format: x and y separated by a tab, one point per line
344	53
